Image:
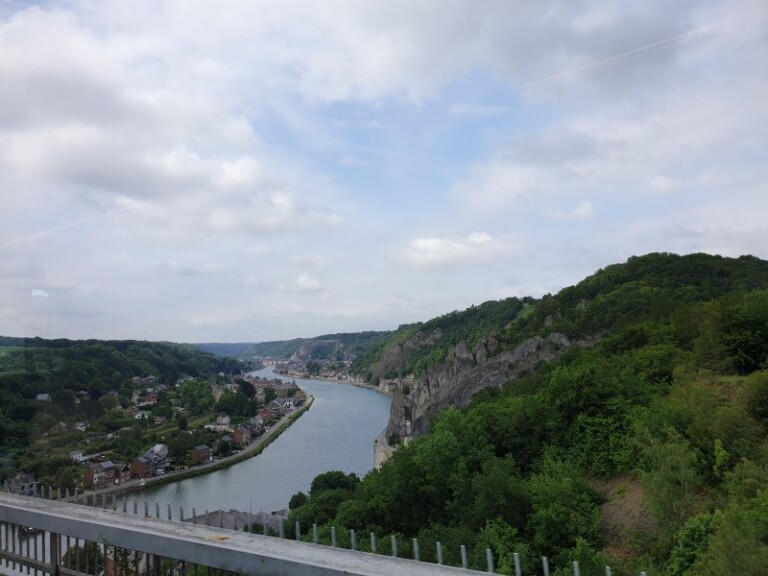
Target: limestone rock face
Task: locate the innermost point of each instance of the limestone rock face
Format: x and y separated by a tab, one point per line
453	382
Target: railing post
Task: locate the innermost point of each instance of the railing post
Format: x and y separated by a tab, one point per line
169	511
393	543
518	568
576	571
352	540
439	553
315	536
298	531
608	571
545	565
333	536
416	549
53	546
373	543
463	556
489	559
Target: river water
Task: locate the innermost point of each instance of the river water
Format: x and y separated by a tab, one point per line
336	433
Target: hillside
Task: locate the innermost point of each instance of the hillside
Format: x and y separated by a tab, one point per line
78	378
414	347
342	346
622	420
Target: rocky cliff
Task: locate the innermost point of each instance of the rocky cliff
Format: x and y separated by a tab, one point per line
453	382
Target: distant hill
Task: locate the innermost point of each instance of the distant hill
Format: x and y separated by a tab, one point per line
341	346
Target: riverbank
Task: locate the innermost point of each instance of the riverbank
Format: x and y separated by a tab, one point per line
338	381
253	449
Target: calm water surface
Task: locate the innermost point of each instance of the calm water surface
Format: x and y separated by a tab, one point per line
336	433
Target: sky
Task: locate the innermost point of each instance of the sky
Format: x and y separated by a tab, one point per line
252	170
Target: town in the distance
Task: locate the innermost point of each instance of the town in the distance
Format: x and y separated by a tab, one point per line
98	442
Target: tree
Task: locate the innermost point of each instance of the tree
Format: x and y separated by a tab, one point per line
333	480
297	500
65	479
87	558
671	480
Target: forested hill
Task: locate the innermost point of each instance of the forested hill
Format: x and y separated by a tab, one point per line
646	448
414	347
341	346
61	368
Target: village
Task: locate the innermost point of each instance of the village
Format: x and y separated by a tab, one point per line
164	430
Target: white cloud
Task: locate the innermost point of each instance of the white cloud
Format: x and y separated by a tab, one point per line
662	185
477	110
350	161
477	247
307	283
583	211
189	269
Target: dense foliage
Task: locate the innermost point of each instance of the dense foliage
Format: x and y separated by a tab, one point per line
340	346
425	343
85	381
646	449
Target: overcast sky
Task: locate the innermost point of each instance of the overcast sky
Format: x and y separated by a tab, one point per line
257	170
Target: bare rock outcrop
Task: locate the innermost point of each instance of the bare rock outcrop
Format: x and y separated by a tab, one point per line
453	382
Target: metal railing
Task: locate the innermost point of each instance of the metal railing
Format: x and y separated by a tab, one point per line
42	537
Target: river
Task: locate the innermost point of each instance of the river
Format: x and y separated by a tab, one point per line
336	433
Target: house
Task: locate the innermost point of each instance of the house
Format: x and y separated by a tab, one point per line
24	484
122	472
81	426
43	397
201	453
161	451
266	415
76	456
95	475
226	440
223	422
58	428
243	435
142	467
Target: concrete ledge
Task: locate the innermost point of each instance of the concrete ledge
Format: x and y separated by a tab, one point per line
238	552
